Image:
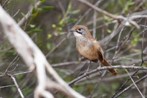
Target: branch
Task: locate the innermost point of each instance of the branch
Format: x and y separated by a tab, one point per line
64	64
125	20
25	18
135	84
33	57
124	90
105	68
92	79
100	10
17	86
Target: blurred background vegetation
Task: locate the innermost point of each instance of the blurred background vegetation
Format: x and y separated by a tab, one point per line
49	26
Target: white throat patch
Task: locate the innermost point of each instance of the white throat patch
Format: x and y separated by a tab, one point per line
77	34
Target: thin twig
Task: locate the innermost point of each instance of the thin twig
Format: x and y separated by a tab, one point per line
106	79
25	18
117	44
94	24
6	2
142	60
145	89
1	87
66	64
88	11
104	68
101	11
127	88
17	86
16	13
135	85
117	29
20	73
125	20
56	46
11	63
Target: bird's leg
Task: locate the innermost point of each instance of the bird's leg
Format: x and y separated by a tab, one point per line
89	64
82	58
99	65
103	73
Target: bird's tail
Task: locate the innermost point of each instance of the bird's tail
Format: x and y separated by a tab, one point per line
105	63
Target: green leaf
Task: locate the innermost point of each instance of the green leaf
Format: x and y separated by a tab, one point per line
42	1
47	8
135	39
74	12
49	36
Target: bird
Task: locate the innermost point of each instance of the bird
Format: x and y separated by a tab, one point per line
89	47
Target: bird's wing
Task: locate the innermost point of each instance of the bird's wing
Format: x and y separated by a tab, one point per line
98	47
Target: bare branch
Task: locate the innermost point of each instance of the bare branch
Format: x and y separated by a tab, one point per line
17	86
25	18
32	56
135	85
124	20
104	68
144	77
100	10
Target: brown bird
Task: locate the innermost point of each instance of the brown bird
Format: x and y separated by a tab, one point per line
89	47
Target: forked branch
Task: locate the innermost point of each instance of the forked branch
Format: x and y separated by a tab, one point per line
34	58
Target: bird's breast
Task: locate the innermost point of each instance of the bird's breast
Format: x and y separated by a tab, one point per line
87	49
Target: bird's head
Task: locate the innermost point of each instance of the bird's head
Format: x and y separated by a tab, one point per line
80	31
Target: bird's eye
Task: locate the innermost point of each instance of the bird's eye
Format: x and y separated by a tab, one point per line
80	30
